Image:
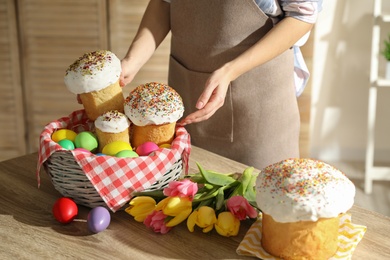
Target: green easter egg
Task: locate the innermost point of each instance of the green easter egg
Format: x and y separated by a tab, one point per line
127	154
86	140
66	144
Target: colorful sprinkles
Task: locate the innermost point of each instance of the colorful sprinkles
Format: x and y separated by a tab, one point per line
90	62
155	100
303	189
299	178
112	115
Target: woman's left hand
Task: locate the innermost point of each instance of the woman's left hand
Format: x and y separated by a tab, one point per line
212	97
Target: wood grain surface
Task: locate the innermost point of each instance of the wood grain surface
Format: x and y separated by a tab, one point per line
29	231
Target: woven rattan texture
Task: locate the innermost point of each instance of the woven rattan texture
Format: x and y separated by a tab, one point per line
70	180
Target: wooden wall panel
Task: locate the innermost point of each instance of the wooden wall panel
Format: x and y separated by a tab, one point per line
53	34
12	141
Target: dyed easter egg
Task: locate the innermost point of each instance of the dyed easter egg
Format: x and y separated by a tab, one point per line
146	148
86	140
82	150
168	146
66	144
99	219
65	210
127	154
115	147
63	134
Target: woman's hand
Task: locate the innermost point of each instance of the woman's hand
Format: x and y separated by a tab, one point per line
276	41
212	97
128	73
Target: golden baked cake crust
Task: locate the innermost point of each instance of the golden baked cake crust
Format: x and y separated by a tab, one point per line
303	240
159	134
106	138
97	102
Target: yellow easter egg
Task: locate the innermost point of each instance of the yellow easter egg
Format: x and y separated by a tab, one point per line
62	134
168	146
115	147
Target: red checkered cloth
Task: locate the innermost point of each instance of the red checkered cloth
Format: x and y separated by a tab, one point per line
115	179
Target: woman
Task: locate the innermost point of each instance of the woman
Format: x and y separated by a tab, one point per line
233	65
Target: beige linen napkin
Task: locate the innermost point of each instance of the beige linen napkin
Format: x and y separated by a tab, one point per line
349	236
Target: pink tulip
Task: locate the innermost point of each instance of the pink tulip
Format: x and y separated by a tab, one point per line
241	208
183	188
156	221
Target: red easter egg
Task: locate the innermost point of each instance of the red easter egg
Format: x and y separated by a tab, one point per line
65	210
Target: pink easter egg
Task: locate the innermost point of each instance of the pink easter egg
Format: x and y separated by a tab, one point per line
146	148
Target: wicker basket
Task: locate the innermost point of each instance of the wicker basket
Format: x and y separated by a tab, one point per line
69	177
70	180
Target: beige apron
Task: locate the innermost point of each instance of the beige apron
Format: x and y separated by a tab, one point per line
259	122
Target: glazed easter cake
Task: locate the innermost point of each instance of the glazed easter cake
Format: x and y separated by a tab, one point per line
302	201
95	77
112	126
154	109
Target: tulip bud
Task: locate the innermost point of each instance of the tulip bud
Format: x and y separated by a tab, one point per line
141	207
227	224
204	217
177	207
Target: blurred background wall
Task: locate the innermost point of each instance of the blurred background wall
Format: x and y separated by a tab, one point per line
340	84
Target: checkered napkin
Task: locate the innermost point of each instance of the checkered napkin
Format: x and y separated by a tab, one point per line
349	237
115	179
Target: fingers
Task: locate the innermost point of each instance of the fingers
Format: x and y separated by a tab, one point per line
122	82
206	95
127	73
202	114
79	99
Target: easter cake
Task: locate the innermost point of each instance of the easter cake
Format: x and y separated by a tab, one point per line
112	126
153	108
95	78
302	201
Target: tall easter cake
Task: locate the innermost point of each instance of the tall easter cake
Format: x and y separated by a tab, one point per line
95	77
153	108
301	201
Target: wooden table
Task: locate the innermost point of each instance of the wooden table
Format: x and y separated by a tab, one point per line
29	231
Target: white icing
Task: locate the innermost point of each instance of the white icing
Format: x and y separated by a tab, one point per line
92	72
303	190
153	104
112	122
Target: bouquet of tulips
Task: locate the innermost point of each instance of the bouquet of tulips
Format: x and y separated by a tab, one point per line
207	199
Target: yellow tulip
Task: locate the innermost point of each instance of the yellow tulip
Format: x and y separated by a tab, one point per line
140	207
204	217
227	224
177	207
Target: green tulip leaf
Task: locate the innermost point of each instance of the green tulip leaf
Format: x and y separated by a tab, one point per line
154	194
220	198
215	178
197	178
250	193
245	180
